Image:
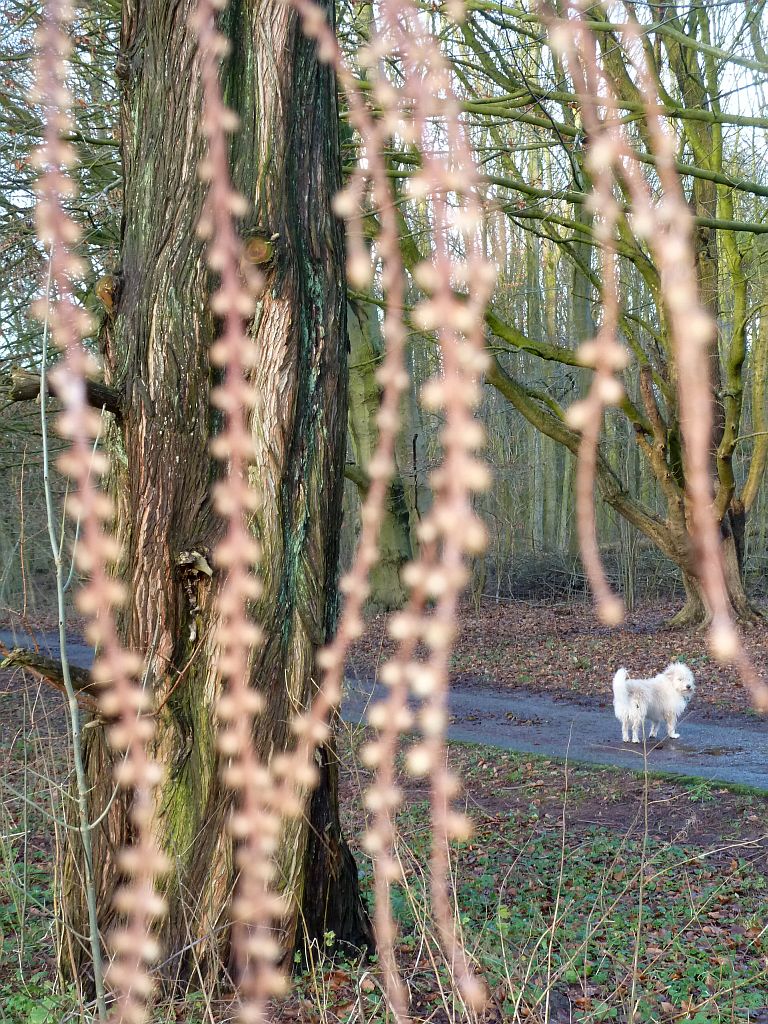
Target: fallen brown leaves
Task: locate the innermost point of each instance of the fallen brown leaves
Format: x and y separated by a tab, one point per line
563	650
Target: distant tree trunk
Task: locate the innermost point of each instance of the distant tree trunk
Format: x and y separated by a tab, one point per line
387	589
565	534
286	161
552	456
413	447
535	328
695	612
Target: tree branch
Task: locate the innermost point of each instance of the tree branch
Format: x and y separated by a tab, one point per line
357	475
611	488
25	387
49	670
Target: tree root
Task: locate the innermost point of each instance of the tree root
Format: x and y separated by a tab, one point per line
695	615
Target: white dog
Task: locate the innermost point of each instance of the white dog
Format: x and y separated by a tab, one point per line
660	699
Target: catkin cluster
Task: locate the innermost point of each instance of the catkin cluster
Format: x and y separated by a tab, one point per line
666	226
256	819
457	283
122	700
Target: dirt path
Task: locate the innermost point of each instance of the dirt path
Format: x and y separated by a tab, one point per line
561	650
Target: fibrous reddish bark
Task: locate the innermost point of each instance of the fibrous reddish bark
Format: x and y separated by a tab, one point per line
285	160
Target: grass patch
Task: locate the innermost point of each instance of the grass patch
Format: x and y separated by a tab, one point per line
29	993
585	895
618	899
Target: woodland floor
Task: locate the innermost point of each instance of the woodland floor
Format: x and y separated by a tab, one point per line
537	647
571	875
561	649
584	891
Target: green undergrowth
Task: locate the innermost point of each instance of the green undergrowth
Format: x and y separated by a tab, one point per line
590	894
29	993
600	923
584	895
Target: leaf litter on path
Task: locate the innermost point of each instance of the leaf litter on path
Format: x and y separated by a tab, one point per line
562	650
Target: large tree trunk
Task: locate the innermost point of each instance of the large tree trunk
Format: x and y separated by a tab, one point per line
285	159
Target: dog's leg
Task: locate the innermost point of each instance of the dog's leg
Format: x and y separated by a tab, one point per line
654	729
625	730
671	731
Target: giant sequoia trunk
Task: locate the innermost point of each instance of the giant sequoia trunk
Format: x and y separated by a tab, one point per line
285	160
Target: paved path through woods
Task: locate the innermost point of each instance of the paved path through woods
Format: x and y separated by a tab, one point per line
731	749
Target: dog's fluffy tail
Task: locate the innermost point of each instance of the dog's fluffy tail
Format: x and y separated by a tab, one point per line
620	694
619	681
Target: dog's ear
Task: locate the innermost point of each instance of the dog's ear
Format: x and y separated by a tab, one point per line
683	675
678	668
